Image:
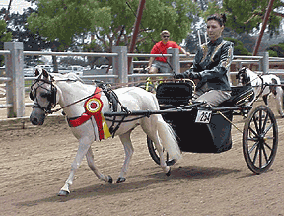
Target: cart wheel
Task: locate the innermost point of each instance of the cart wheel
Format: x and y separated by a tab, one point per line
260	139
155	155
148	87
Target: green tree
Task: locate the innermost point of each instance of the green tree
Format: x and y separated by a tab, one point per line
4	37
244	15
276	50
239	48
92	47
107	19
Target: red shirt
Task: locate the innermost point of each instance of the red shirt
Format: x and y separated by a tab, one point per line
160	48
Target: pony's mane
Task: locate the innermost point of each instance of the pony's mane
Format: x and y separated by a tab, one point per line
71	76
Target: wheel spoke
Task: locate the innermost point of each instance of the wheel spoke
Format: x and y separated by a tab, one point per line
267	129
251	130
264	153
254	139
270	138
259	121
265	121
268	146
252	148
260	157
255	124
255	155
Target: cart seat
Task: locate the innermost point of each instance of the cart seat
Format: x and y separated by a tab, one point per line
241	95
178	94
175	94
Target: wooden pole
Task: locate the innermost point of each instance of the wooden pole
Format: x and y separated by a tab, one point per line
8	11
263	27
136	30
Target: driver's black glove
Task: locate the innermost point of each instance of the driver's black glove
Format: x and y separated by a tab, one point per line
180	76
188	74
194	75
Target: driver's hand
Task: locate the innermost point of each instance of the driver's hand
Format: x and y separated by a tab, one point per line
180	76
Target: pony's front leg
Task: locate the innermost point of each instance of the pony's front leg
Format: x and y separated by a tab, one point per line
84	145
90	160
128	149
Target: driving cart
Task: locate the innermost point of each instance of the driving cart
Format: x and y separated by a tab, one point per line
204	129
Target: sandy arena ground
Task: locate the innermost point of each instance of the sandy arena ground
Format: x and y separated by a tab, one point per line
35	162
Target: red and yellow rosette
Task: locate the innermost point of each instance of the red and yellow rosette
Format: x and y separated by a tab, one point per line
94	107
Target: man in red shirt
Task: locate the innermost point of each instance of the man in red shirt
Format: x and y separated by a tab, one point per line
160	63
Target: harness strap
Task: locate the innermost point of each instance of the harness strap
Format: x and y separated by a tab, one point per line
112	99
76	121
113	130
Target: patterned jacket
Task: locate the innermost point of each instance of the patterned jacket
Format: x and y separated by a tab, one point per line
213	62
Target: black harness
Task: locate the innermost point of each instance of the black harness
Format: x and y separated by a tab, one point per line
113	104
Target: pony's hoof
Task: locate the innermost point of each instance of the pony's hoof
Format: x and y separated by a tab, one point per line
170	172
63	193
120	180
109	179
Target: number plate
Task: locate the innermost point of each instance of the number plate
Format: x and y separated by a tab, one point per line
203	116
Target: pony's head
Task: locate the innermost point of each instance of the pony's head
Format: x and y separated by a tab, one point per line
43	93
243	77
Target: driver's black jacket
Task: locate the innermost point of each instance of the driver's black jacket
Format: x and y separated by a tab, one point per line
213	62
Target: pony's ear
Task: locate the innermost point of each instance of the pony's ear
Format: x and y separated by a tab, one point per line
36	72
44	73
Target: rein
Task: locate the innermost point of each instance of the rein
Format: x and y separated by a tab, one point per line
78	101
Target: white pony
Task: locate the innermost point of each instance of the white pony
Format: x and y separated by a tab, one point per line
263	86
75	98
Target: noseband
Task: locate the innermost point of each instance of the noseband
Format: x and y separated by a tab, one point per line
50	95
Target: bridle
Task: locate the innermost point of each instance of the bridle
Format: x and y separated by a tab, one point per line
50	95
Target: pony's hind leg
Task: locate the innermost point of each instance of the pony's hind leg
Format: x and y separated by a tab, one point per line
279	100
152	131
128	149
90	160
155	138
163	135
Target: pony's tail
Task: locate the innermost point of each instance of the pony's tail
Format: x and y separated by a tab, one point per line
168	139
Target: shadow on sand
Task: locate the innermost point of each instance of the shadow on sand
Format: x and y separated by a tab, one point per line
189	173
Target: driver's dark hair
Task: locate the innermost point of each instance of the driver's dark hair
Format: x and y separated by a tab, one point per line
221	18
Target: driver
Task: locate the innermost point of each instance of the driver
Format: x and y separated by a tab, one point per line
211	65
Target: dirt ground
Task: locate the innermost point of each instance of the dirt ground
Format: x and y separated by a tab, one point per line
35	162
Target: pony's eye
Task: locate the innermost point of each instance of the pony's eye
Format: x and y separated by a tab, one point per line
44	95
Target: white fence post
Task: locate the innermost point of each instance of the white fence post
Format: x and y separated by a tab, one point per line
264	62
174	60
119	63
15	89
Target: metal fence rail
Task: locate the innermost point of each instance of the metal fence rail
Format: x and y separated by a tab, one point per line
15	80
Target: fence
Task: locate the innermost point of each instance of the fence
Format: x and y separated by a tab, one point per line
15	80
